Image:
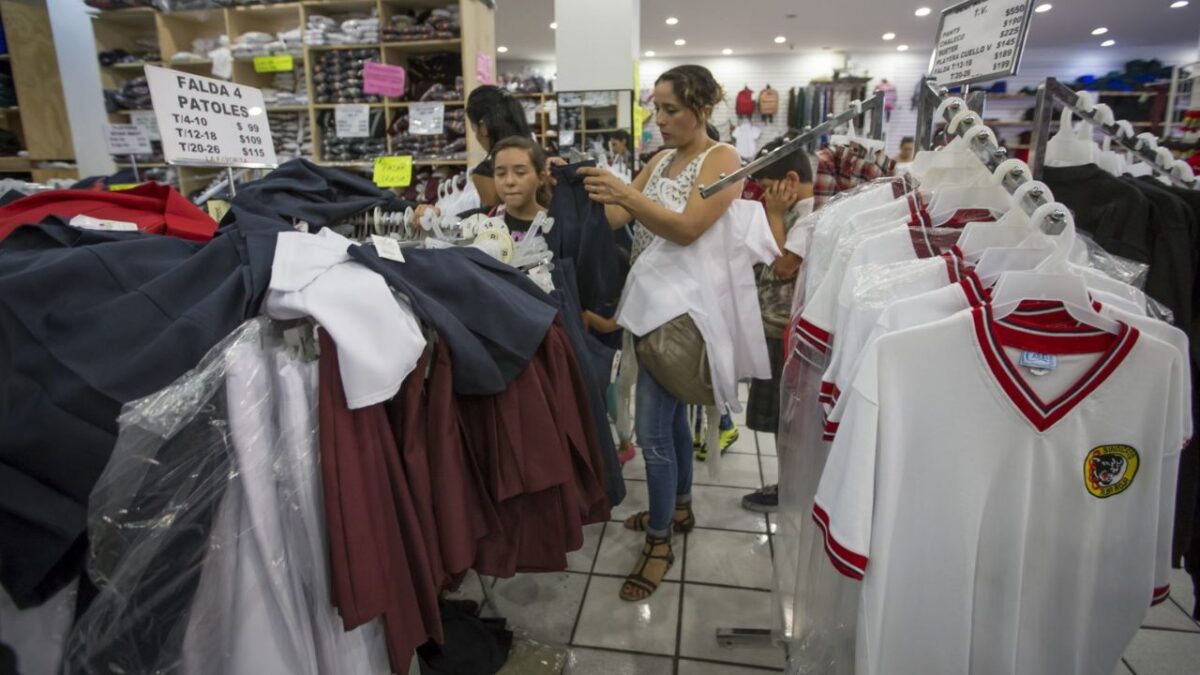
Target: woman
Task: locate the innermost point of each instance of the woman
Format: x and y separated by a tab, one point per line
494	114
620	147
665	201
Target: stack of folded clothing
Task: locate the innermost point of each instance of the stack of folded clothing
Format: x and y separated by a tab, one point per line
349	30
289	131
438	24
134	95
436	77
337	149
452	144
255	43
114	56
286	88
338	76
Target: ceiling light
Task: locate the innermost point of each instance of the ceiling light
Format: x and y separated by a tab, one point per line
680	42
1108	43
727	51
1179	3
1043	8
502	49
889	36
1100	31
649	52
671	21
902	48
923	11
779	39
553	25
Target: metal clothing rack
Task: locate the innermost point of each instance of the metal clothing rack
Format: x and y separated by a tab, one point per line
930	96
874	105
1052	93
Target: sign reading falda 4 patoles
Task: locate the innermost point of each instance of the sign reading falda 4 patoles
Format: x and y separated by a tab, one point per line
980	40
207	122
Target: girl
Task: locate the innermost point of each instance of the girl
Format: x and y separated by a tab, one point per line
665	201
521	181
494	115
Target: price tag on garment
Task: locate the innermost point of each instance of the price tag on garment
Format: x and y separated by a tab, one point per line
217	208
90	223
127	139
387	248
207	122
393	171
117	187
426	119
145	119
352	121
282	63
980	40
383	79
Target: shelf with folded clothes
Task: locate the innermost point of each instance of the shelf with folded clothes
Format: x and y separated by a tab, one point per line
405	104
449	145
425	46
132	65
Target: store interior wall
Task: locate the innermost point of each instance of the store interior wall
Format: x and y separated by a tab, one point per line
901	69
75	47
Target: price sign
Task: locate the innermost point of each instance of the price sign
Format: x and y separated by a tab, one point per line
382	79
352	121
393	171
980	40
145	120
426	119
274	64
207	122
127	139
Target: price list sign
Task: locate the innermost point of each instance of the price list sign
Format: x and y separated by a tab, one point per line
980	40
207	122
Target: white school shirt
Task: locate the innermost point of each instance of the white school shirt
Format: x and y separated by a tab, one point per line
745	138
378	337
993	532
712	280
875	204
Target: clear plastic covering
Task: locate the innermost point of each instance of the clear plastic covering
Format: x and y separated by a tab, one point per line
207	533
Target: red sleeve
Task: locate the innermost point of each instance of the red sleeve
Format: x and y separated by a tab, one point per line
154	208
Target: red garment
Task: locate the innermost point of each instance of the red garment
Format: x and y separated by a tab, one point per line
745	102
153	207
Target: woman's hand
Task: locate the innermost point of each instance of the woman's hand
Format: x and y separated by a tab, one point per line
552	162
594	321
787	265
603	186
779	198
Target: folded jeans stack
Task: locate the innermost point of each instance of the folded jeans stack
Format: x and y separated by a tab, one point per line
287	88
133	95
338	149
337	76
289	131
449	145
438	24
351	30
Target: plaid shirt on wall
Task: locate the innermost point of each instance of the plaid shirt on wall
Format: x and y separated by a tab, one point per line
845	168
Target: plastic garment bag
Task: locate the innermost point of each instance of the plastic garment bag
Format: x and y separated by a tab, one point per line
208	544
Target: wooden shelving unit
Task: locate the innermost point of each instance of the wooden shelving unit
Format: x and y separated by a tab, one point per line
610	115
542	128
174	33
44	136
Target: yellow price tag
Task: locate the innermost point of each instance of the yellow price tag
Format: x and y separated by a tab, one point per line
393	171
217	208
122	186
273	64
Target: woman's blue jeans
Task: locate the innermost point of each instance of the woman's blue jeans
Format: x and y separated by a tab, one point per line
666	439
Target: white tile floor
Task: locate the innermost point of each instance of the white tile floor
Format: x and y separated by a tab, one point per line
721	578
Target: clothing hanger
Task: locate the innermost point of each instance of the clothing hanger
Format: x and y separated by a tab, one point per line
1112	162
1052	280
1071	147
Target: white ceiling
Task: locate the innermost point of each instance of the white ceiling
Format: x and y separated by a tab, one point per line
749	26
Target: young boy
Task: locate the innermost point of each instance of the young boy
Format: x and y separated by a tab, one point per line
788	197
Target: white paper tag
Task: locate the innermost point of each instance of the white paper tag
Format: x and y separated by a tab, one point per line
352	121
387	248
89	223
426	119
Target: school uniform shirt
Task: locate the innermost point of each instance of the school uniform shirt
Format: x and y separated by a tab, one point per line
378	337
712	280
986	505
152	207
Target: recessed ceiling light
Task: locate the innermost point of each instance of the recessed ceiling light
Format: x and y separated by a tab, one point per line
1108	43
1179	3
502	49
889	36
553	25
1043	8
923	11
1100	31
671	21
680	42
649	52
727	51
779	39
902	48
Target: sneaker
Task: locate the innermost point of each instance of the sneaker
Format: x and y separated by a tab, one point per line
765	500
728	438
